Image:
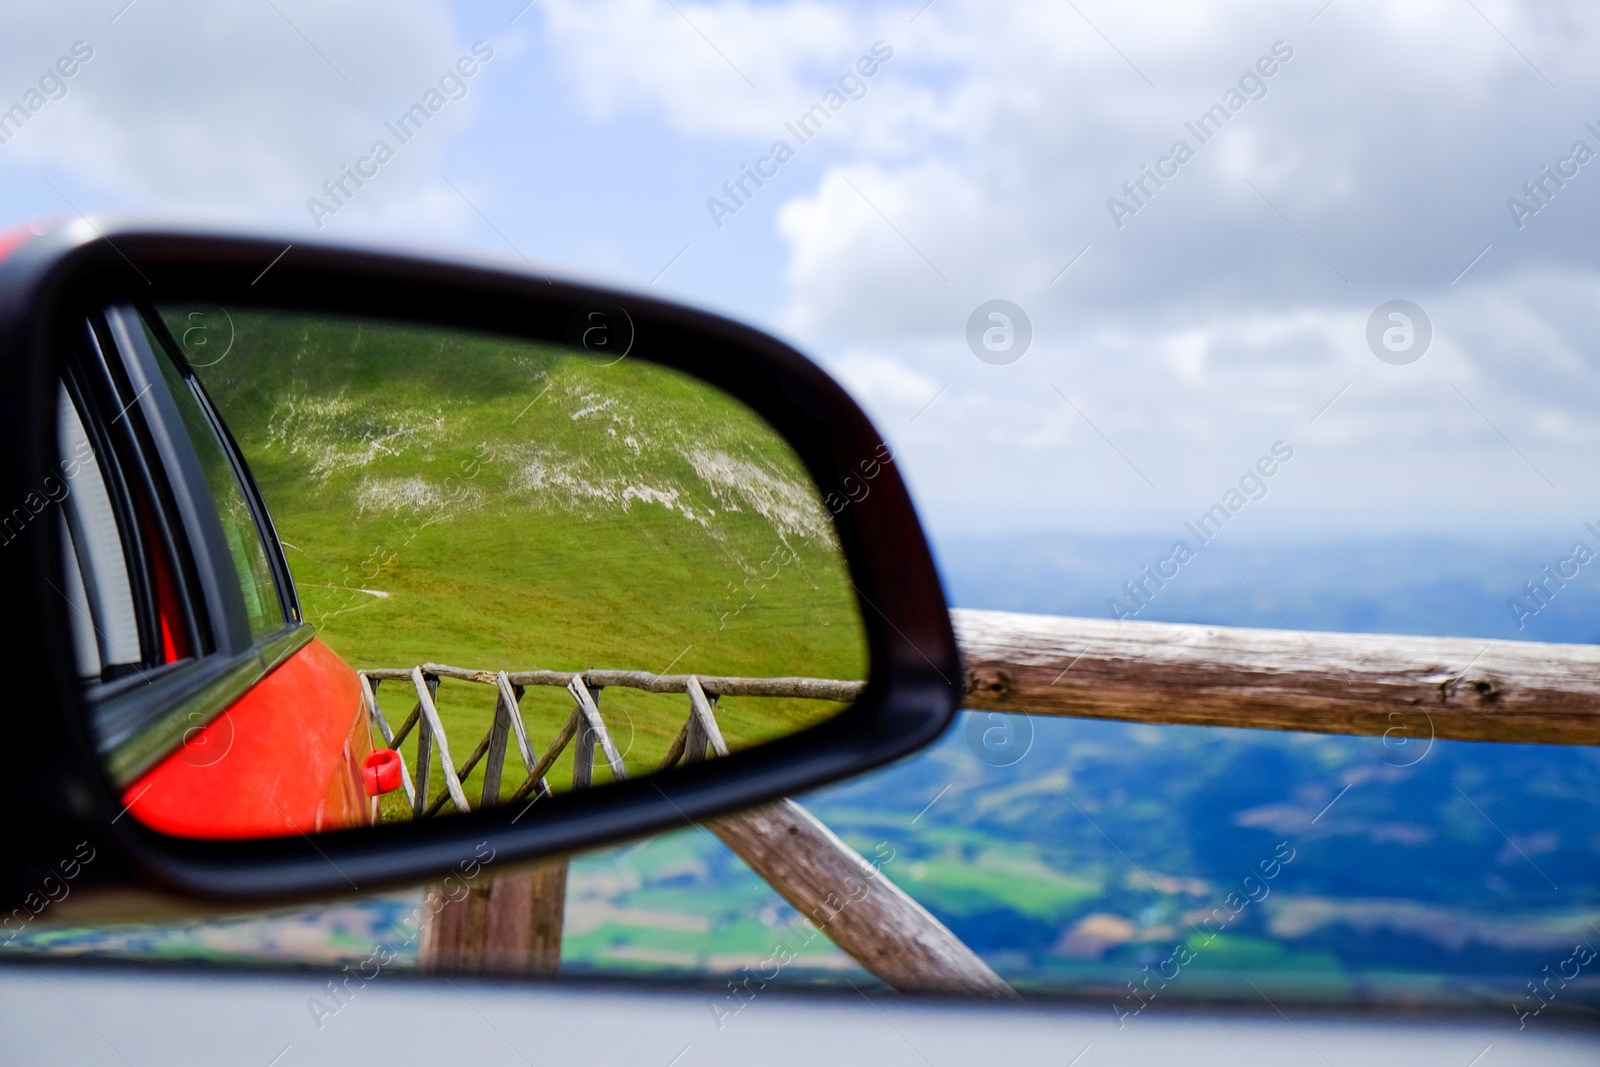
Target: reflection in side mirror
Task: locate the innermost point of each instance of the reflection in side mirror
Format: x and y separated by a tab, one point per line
585	728
351	571
383	772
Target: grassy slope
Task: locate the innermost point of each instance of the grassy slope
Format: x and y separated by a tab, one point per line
523	507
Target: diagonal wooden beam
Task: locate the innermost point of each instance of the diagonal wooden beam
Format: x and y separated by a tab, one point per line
596	727
536	776
873	920
707	732
519	731
677	748
849	899
430	715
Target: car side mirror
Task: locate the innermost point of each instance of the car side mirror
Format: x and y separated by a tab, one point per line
335	567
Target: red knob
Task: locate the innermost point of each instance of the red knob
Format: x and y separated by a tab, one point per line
381	771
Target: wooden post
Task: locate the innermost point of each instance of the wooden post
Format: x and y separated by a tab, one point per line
522	933
509	922
454	940
694	740
499	734
514	924
583	753
419	801
589	705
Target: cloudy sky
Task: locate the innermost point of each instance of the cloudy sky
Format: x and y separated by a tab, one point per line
1225	312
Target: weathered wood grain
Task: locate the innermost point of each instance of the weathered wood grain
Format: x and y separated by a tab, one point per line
499	736
588	705
430	716
506	923
702	727
454	937
583	753
522	930
1398	687
853	903
419	800
511	696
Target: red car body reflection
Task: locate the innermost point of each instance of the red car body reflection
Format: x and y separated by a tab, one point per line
284	758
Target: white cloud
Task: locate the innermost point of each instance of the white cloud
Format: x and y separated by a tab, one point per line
1224	314
227	107
731	68
1391	172
882	380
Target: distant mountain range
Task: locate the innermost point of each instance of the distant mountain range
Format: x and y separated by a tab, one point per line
1403	585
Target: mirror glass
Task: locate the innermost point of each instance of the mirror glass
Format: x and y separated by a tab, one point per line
326	572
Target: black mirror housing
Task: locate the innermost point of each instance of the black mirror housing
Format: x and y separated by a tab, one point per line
57	784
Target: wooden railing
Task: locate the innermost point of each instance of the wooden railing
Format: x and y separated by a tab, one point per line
585	723
1460	688
1399	687
511	922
